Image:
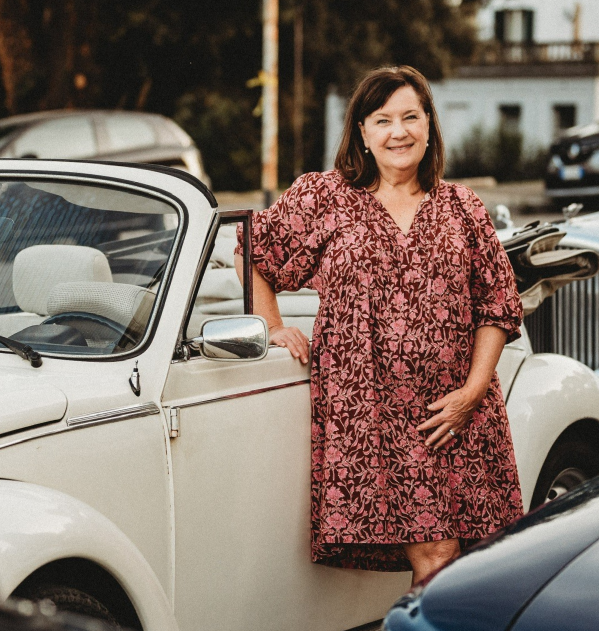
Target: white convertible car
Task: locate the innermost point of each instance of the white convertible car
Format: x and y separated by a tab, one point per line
154	459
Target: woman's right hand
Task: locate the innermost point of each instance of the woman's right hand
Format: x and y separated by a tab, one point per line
293	339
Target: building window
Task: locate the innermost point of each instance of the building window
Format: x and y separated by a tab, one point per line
509	118
564	116
514	26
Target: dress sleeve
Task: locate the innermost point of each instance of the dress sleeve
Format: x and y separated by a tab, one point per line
288	238
493	289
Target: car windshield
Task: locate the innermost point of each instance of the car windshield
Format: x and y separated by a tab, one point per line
80	265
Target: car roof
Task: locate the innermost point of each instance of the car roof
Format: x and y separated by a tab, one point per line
35	117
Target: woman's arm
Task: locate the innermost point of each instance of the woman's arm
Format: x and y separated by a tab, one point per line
455	409
265	304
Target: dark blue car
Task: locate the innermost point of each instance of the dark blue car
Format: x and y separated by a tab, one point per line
540	573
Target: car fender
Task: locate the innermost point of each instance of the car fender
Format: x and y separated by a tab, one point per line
550	393
39	525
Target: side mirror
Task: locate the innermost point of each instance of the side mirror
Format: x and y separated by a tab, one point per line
231	338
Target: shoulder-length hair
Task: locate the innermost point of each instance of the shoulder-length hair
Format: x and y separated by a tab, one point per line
359	168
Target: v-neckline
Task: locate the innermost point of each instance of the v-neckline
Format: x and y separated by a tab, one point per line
389	216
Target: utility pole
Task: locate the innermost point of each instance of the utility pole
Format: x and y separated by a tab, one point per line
298	89
270	99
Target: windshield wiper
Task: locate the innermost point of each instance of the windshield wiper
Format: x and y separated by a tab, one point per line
22	350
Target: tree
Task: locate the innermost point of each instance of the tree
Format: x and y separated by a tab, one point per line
46	54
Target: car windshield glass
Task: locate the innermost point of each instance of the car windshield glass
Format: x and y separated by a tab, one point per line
80	265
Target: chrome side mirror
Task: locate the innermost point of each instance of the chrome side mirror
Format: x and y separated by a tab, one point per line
501	217
231	338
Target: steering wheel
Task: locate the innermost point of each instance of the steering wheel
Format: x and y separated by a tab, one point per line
101	323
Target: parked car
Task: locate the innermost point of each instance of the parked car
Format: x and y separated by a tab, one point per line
539	573
568	322
154	457
573	168
119	136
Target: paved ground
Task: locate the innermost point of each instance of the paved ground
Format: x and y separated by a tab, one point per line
526	200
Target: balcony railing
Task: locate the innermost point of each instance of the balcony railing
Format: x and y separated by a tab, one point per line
494	53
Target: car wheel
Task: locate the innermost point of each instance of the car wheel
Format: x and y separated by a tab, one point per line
71	600
568	465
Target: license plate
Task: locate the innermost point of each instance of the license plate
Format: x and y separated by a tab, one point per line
571	172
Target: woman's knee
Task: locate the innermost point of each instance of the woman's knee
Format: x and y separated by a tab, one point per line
433	552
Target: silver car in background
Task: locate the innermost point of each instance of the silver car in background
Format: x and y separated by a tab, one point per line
117	136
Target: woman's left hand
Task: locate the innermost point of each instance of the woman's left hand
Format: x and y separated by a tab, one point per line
454	411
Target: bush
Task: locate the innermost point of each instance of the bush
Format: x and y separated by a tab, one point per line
499	154
227	134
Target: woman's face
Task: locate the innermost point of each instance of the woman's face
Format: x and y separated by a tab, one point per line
397	133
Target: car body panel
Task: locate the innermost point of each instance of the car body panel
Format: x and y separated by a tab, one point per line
569	600
18	410
537	412
39	525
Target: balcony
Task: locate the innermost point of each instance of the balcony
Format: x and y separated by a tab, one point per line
501	59
493	53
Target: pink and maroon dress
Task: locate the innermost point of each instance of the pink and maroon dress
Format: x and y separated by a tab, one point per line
394	333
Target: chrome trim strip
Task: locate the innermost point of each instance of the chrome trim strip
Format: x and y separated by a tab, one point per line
110	416
247	393
99	418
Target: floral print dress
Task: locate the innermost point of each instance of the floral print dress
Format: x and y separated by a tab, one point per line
394	333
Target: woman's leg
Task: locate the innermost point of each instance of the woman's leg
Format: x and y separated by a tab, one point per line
429	556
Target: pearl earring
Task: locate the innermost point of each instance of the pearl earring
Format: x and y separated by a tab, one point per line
367	150
427	144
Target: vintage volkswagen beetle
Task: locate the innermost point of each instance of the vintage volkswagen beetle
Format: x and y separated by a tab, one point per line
147	467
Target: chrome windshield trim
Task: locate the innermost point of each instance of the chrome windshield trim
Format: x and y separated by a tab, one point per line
118	414
238	395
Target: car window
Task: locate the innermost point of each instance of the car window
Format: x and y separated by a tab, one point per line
220	292
128	132
81	266
71	137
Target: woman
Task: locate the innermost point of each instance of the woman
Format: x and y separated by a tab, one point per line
412	453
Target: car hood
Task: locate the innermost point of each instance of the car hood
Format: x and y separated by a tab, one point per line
569	601
26	400
487	587
582	231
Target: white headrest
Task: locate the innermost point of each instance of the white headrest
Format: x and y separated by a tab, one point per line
128	305
41	267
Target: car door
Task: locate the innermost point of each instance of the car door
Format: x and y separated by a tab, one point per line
241	470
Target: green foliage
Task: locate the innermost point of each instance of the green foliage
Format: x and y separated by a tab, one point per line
498	153
226	131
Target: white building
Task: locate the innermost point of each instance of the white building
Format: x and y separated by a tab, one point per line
536	70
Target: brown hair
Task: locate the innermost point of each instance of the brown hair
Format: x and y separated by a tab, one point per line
359	168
